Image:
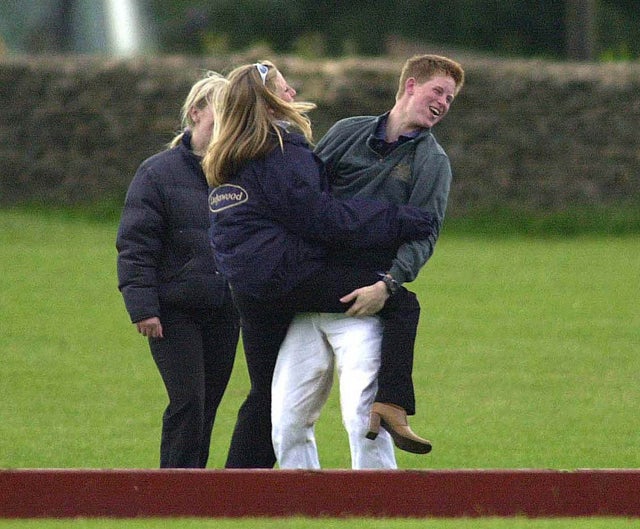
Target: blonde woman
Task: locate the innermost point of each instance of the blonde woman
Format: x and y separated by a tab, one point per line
273	221
171	288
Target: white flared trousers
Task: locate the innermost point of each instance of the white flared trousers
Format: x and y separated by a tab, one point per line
316	344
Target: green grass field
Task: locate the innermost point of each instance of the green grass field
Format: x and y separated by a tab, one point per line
328	523
528	356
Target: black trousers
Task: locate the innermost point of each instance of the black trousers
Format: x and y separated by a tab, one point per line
264	327
195	359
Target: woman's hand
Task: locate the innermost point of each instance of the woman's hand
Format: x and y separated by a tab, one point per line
151	327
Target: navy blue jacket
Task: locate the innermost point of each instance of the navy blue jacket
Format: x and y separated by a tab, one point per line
273	221
165	260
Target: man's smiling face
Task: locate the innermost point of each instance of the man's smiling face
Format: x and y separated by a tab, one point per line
430	101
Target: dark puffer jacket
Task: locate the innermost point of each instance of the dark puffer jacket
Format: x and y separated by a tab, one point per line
165	260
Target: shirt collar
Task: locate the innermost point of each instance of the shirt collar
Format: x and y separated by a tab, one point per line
381	130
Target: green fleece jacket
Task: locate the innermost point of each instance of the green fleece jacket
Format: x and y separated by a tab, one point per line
417	172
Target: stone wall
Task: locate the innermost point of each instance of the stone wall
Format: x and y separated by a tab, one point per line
522	135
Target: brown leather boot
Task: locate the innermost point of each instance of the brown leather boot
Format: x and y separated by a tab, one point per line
394	419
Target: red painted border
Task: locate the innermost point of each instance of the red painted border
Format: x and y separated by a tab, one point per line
52	493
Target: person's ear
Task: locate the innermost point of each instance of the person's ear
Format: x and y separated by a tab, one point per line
194	114
410	85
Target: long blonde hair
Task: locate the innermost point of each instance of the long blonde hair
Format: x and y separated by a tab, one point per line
207	91
246	127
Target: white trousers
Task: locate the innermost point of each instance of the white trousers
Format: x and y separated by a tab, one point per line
315	344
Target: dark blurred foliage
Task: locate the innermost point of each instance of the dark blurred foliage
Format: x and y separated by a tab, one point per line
534	28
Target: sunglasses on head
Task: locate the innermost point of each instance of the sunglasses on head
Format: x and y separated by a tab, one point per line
263	70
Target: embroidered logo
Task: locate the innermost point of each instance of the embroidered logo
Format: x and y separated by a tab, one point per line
226	196
402	172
